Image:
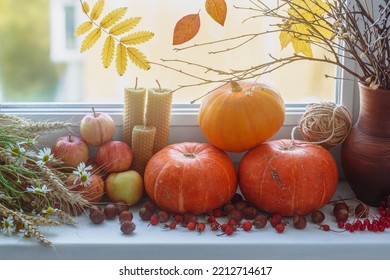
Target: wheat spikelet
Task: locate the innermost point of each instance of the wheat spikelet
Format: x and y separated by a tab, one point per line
36	127
28	225
34	232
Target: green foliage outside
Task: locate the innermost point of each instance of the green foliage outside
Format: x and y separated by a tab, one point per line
26	72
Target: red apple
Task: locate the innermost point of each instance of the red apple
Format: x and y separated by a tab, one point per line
92	192
71	150
125	186
97	128
114	156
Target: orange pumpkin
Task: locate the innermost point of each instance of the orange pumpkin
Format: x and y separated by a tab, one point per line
190	178
240	115
287	177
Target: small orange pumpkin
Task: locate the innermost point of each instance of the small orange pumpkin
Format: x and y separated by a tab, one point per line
287	177
190	177
240	115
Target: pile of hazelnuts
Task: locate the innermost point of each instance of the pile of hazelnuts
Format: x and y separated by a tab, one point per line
110	212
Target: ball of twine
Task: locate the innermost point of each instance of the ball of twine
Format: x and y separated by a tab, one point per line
325	124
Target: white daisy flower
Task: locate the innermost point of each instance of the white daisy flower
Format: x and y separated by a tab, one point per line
83	174
44	156
38	190
50	210
81	168
7	226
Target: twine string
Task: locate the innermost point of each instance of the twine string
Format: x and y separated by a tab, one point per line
325	124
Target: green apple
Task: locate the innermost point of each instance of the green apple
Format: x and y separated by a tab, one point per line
127	186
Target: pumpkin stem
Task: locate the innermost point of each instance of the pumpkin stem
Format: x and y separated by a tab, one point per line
235	86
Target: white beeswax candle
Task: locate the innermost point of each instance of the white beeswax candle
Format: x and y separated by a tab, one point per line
158	114
142	143
133	111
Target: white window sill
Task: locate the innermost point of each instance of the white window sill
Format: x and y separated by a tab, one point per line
105	241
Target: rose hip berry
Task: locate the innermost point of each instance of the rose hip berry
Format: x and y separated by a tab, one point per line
276	219
279	228
247	226
200	227
153	220
172	225
191	225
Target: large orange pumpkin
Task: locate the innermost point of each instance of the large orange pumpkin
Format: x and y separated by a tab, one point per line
240	115
287	177
190	178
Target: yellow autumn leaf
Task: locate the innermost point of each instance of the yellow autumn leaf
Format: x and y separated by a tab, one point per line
91	39
85	7
138	58
305	24
137	38
124	26
108	51
285	39
83	28
301	46
121	59
97	9
111	18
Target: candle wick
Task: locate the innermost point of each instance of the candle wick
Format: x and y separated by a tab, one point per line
159	86
136	82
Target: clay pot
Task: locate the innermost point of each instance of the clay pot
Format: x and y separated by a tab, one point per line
365	154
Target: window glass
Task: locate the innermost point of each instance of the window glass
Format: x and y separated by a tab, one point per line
40	58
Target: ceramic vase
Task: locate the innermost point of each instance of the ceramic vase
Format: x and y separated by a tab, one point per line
365	154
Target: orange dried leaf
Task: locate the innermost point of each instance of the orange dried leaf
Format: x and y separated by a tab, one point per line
217	9
186	29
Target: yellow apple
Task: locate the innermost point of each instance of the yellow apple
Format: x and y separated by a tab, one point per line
127	186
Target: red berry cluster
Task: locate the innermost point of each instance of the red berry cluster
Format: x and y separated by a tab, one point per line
237	215
361	218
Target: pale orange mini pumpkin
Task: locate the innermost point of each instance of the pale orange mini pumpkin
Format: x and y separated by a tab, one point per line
190	177
241	115
288	177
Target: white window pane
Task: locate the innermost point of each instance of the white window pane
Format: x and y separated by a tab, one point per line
40	60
